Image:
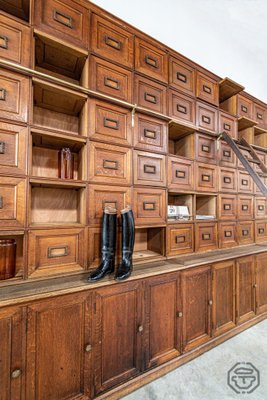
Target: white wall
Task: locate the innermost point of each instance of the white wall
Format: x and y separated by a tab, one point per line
228	37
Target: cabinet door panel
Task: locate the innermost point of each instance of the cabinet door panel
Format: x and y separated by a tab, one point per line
261	281
245	291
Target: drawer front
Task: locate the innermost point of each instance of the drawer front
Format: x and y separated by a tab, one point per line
262	157
180	239
246	154
245	209
150	133
227	235
181	76
207	89
260	231
260	207
63	19
110	123
12	202
244	107
260	115
228	180
227	156
245	183
14	96
110	164
12	149
227	206
180	174
151	60
206	178
245	232
104	196
111	80
150	95
207	118
205	149
257	191
206	236
111	41
14	41
149	206
181	107
149	169
228	124
53	252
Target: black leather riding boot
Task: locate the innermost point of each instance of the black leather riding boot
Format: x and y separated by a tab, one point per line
108	245
126	265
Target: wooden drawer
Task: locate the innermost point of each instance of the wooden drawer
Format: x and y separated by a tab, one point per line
149	206
103	196
228	181
12	202
109	123
151	60
55	251
14	96
150	133
245	232
63	19
260	207
181	76
228	124
111	41
227	235
244	107
180	239
13	148
260	231
257	191
180	173
110	79
206	178
149	168
262	157
15	41
227	156
207	118
182	107
245	208
205	149
245	183
206	236
150	95
246	154
260	115
207	89
227	206
110	164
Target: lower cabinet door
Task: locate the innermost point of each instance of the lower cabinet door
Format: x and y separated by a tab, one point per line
261	283
196	310
223	295
162	334
59	349
245	289
118	331
12	346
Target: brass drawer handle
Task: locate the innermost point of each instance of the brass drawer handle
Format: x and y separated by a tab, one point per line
228	234
227	153
245	232
244	182
180	174
227	127
16	373
149	206
112	83
57	251
227	207
227	179
210	302
88	348
151	61
181	109
207	89
140	328
3	94
244	207
110	203
110	164
179	239
4	42
111	123
63	19
206	119
2	147
255	285
244	108
150	98
260	207
206	236
181	77
150	134
149	169
259	116
179	314
205	178
1	202
114	43
205	148
261	230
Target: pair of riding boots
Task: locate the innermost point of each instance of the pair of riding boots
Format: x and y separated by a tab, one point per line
108	245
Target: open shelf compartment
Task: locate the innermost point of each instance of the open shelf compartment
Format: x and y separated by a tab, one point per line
149	245
181	140
206	206
183	200
19	237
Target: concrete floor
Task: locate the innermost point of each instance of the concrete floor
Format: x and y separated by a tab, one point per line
205	378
